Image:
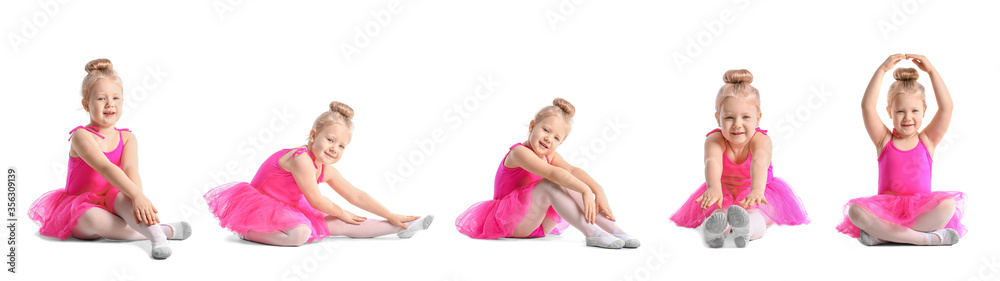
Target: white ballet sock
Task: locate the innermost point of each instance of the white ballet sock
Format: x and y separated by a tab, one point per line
944	236
177	230
161	248
603	239
715	228
739	219
416	225
630	242
869	240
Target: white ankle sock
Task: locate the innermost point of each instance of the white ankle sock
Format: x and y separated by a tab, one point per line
161	248
869	240
739	219
603	239
179	230
630	242
416	225
715	229
945	236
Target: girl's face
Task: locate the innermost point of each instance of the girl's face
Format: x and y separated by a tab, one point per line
907	112
105	103
328	144
738	120
545	136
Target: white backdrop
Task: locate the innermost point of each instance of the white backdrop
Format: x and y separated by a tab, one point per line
442	88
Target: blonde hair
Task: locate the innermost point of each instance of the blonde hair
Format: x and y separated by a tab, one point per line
339	113
737	86
559	107
96	70
906	83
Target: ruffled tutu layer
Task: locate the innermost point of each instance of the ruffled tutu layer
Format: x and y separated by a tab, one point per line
783	206
904	209
57	211
241	208
495	219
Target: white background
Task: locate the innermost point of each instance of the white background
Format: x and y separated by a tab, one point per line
203	81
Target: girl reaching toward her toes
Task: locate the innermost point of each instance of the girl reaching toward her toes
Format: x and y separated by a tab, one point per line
283	205
740	195
536	192
103	195
905	209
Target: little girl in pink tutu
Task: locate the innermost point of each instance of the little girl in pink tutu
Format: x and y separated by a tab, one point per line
103	194
536	192
283	206
740	196
905	209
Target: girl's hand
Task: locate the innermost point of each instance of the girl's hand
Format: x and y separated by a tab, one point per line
144	211
603	208
921	62
712	196
589	208
891	62
753	199
398	220
350	218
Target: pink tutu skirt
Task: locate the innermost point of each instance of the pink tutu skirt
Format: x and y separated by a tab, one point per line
57	211
495	219
783	206
241	208
904	209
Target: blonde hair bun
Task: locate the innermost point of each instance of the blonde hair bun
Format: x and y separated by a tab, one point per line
98	65
738	76
905	74
343	109
565	106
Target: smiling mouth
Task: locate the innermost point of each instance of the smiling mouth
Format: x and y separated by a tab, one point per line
109	114
329	155
543	145
736	133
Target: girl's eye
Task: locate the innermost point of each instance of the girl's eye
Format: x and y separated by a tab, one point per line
729	117
899	111
557	138
342	147
117	98
546	130
915	110
746	117
329	140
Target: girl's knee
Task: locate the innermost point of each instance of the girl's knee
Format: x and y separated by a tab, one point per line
544	190
858	215
299	235
546	185
121	198
946	204
88	222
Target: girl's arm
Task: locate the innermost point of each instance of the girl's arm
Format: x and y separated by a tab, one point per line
523	157
130	159
939	125
304	173
361	199
84	144
580	174
715	146
877	130
760	147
